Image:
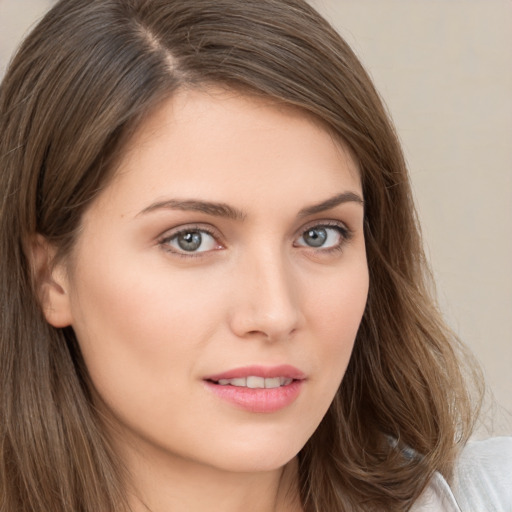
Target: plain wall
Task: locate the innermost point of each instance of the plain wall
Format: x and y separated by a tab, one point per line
444	68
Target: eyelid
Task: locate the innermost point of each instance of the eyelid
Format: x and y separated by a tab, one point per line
326	223
345	232
164	239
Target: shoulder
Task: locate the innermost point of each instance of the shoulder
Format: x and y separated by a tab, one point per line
483	476
437	497
482	481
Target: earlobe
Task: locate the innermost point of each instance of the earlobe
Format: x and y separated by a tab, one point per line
50	282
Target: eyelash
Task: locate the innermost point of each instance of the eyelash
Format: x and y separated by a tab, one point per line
165	241
345	236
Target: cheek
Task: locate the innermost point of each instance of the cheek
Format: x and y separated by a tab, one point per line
139	300
137	328
334	315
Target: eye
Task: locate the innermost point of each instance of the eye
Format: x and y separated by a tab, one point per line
323	237
190	241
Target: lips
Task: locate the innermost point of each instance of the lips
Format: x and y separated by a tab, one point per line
258	389
285	370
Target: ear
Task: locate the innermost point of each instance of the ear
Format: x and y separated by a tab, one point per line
51	282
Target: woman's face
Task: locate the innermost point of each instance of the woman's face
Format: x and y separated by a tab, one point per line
219	280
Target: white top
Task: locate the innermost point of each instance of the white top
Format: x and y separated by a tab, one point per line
482	481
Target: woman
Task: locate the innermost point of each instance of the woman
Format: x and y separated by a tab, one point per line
214	293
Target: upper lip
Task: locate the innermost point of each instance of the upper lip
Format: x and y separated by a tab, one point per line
284	370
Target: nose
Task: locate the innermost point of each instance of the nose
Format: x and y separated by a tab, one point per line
266	302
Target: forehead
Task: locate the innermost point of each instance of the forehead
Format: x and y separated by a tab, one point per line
219	142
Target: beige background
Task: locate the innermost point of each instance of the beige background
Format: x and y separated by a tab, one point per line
444	67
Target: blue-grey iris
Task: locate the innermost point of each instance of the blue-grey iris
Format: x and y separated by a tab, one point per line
315	237
190	241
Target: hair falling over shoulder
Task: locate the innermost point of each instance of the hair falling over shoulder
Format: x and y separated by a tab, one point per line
78	86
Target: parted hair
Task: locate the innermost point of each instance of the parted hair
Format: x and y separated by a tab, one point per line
79	85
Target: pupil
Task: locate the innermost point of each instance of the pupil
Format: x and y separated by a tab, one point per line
315	237
190	241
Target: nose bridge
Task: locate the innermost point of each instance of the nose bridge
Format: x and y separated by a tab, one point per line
266	302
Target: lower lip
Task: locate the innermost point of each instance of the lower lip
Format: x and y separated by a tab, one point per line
261	400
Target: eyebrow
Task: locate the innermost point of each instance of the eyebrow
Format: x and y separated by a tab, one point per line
208	207
345	197
229	212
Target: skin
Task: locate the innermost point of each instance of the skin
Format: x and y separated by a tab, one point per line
153	320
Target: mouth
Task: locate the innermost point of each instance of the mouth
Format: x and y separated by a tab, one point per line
258	389
255	382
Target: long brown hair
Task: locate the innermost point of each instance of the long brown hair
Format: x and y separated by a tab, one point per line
78	86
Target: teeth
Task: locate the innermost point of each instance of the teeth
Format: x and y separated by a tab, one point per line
274	382
255	382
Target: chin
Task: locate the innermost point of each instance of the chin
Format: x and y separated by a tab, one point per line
251	462
255	453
